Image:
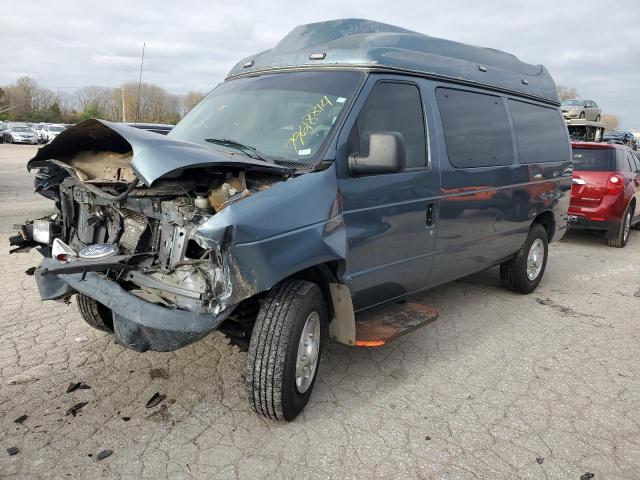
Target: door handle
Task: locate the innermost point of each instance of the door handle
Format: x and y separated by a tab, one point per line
429	215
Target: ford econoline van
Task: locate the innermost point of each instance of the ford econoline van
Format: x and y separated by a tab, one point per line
349	166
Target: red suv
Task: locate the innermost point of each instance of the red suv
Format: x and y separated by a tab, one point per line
606	187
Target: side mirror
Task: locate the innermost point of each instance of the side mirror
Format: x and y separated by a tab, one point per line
387	154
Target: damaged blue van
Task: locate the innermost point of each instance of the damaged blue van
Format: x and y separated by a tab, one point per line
349	166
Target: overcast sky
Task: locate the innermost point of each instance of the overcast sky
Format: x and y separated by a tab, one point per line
591	45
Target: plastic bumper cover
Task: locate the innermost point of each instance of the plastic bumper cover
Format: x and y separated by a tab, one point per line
138	324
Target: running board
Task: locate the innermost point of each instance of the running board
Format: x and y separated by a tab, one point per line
381	325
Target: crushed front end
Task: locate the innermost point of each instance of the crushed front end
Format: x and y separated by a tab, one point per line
136	248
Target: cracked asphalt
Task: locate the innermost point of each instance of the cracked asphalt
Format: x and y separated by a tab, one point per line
501	386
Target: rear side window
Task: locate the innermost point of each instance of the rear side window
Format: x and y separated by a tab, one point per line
394	107
593	159
476	128
540	133
632	161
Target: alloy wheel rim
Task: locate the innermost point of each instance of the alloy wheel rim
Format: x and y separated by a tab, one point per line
535	259
308	352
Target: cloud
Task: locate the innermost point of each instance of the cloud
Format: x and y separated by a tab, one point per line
192	45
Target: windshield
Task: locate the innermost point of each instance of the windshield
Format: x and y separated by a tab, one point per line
573	103
283	118
21	129
593	159
56	129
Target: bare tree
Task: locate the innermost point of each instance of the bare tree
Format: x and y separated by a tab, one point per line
95	99
189	100
611	121
565	93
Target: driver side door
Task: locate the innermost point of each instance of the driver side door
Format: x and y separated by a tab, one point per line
390	217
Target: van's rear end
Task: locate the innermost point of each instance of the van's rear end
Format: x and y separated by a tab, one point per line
597	195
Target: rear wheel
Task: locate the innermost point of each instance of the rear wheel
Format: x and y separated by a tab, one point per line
582	115
523	272
285	348
621	238
95	314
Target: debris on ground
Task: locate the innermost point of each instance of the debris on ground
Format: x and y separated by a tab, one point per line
30	271
73	386
76	408
126	419
587	476
12	450
155	400
539	460
21	379
21	418
427	438
103	454
82	338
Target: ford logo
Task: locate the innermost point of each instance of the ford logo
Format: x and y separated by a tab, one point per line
98	251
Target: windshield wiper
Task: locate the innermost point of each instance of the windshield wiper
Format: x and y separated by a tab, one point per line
247	149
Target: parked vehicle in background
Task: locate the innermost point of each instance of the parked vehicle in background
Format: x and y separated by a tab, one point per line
606	189
624	137
581	130
3	129
304	189
160	128
37	129
49	132
576	108
21	134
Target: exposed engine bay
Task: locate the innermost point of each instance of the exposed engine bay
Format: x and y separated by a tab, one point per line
153	229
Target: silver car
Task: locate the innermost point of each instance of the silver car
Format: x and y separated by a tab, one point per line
576	108
19	134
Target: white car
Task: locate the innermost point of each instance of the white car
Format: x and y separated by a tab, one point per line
20	134
49	132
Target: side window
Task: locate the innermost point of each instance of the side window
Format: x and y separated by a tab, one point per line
621	160
476	128
394	107
632	162
637	162
540	133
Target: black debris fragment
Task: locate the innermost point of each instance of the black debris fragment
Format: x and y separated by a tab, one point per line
126	419
155	400
12	450
76	408
21	418
587	476
427	438
73	386
103	454
540	460
30	271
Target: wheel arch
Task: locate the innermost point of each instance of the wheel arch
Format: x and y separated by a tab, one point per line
548	221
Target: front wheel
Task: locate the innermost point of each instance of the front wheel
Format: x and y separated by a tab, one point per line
95	313
285	349
598	118
523	272
621	238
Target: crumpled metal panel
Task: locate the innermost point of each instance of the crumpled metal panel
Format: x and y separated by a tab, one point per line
154	155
